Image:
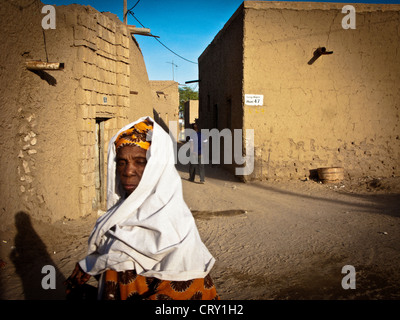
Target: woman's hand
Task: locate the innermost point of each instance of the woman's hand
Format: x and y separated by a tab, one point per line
76	279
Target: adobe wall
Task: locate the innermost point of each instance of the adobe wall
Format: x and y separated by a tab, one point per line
141	97
342	110
49	118
39	137
220	75
191	112
165	105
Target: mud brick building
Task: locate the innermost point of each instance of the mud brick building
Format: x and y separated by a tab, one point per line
336	109
191	112
55	124
166	101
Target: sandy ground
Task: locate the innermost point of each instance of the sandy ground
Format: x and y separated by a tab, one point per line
271	240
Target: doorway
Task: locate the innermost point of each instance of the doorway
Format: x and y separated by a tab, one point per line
100	172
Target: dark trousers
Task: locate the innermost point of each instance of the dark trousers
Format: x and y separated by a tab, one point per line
200	168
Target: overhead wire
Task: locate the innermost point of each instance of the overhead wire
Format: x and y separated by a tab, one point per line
134	6
132	14
126	13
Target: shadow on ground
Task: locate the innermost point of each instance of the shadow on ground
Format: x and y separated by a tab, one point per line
29	257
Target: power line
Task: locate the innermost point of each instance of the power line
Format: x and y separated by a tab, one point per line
131	13
126	13
134	6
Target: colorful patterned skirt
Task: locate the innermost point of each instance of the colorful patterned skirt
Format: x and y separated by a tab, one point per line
127	285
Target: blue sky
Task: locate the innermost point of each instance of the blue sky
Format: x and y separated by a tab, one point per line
185	27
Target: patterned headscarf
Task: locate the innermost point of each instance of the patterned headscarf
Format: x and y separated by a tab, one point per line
139	135
150	212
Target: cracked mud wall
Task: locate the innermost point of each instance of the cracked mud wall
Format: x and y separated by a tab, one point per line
221	81
341	110
165	102
38	119
48	145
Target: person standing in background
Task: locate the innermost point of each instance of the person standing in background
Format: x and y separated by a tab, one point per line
196	158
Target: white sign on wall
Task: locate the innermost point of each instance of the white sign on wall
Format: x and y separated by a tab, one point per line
253	99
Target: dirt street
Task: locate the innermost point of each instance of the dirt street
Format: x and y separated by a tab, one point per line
271	240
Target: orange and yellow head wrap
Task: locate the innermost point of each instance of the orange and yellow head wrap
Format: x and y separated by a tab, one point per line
137	136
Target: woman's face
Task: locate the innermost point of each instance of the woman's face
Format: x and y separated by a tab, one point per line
131	161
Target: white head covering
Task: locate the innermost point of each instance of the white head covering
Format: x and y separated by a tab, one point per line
152	230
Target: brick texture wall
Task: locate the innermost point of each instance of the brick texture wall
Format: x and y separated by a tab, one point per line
56	124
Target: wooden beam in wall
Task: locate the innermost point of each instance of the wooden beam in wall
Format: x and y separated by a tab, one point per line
40	65
140	31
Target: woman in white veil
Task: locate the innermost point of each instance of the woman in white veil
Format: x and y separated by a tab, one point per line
146	246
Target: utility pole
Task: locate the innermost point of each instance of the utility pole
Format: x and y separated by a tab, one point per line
173	65
126	11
